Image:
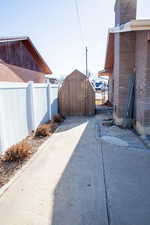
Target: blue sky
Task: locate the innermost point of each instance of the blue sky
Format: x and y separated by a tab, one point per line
53	27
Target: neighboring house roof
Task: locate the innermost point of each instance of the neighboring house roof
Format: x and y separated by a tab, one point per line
27	43
134	25
11	73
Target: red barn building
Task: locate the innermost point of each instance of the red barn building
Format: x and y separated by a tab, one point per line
21	62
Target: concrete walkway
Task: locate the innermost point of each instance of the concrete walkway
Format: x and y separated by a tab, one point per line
64	185
127	171
78	179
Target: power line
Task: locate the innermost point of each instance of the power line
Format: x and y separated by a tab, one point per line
79	21
81	34
86	50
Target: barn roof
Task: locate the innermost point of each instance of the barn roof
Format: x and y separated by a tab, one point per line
33	51
11	73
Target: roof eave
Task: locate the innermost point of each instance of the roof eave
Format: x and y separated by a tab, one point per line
109	58
19	38
41	58
133	25
105	72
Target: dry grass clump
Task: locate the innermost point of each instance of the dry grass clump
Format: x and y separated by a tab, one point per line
52	127
17	152
58	118
62	116
47	129
43	130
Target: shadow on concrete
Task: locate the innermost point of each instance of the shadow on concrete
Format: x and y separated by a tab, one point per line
77	196
71	122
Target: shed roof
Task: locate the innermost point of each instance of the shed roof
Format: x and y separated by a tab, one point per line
11	73
77	72
33	51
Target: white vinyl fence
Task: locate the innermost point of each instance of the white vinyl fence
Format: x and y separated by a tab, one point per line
23	107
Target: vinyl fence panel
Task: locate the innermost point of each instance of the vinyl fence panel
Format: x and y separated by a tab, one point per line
40	103
23	107
54	99
13	106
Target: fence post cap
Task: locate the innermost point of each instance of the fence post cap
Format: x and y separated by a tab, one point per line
30	82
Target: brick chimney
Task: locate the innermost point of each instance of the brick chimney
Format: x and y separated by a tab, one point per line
125	10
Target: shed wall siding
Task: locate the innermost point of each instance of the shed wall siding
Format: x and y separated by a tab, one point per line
77	96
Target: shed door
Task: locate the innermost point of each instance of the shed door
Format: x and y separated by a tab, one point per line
76	96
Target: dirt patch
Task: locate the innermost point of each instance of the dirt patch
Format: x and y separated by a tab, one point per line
107	103
8	169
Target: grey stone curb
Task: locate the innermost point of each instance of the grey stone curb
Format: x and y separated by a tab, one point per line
4	188
144	139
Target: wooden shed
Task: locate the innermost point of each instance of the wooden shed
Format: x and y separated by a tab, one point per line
77	96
